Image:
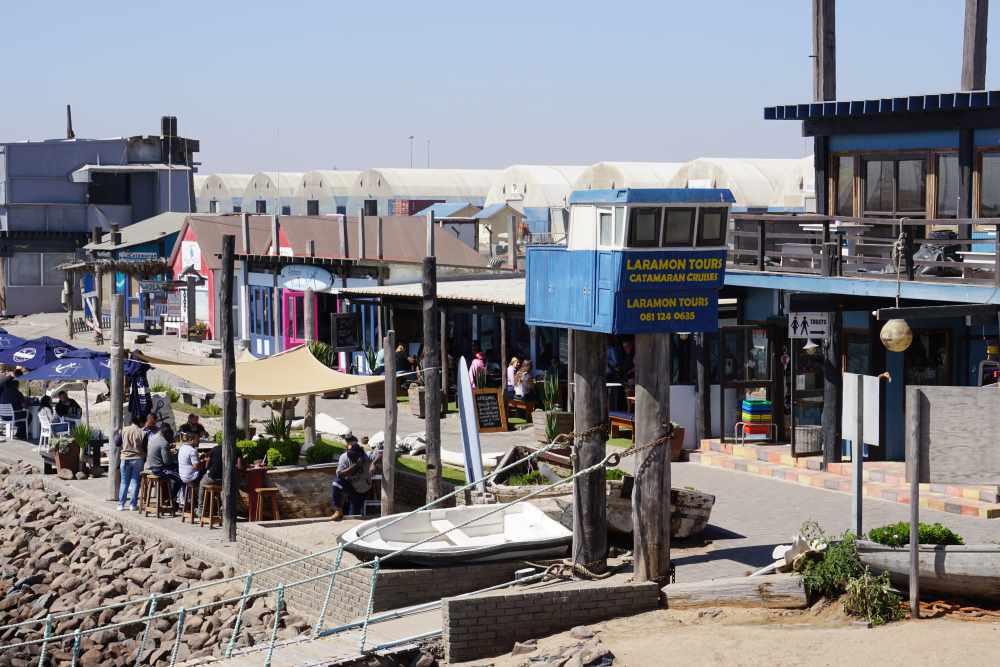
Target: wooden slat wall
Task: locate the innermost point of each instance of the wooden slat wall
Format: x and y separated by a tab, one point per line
958	432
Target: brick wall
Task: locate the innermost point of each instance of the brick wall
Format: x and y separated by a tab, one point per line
487	625
259	546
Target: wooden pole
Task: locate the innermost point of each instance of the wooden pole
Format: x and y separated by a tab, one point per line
913	465
703	384
824	50
191	313
504	359
651	492
117	389
570	365
974	45
98	298
432	368
309	423
445	373
70	287
590	525
229	481
391	414
857	457
383	316
512	241
832	398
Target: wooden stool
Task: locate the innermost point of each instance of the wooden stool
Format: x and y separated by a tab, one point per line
211	505
143	489
157	497
190	501
262	493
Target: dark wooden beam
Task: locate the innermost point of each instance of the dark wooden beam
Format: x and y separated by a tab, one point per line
229	481
974	45
902	122
391	412
824	50
926	312
832	395
590	524
813	303
966	165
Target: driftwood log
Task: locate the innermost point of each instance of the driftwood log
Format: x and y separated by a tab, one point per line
778	591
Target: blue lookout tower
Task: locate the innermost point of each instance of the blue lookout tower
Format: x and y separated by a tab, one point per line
634	261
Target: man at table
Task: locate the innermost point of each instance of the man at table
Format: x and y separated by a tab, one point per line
189	466
159	459
67	407
353	480
193	427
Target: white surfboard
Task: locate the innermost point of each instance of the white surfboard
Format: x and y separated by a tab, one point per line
470	430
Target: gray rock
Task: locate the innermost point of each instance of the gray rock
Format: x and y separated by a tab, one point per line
82	475
211	574
527	646
581	632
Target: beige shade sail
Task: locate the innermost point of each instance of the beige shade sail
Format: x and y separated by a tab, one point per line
295	372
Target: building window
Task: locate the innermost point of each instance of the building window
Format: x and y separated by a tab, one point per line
989	186
644	227
947	186
262	206
712	226
286	210
896	186
237	208
606	229
679	227
51	275
845	185
26	269
213	206
619	226
312	207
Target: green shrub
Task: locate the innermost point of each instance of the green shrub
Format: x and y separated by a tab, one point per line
828	577
322	452
614	473
898	534
160	387
872	598
212	410
240	435
274	458
527	479
251	451
323	353
278	428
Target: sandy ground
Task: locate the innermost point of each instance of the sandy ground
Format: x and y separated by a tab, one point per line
774	638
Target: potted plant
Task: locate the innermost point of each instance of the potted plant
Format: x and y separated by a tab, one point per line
196	332
553	421
416	393
372	395
66	453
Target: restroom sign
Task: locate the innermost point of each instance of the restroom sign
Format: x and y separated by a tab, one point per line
808	325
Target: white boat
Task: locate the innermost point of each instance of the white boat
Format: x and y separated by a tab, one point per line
967	571
518	531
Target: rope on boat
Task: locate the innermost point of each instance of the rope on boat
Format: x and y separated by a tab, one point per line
612	459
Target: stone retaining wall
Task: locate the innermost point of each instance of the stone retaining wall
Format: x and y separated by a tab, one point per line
488	624
260	545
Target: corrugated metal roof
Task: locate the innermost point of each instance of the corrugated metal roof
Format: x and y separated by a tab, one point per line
490	211
497	291
652	196
144	231
444	209
961	101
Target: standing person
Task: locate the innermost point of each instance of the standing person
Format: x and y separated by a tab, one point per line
189	466
477	368
353	480
512	369
160	460
133	457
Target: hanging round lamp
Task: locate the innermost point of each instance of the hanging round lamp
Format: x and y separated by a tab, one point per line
896	335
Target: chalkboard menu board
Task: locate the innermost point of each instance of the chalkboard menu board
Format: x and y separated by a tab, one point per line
491	416
344	330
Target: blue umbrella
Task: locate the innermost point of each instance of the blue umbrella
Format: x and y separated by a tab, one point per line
35	353
8	341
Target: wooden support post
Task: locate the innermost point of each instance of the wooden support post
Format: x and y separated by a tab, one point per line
504	359
445	366
345	250
996	255
117	386
832	379
309	423
703	388
362	245
590	524
512	241
98	298
383	315
191	297
966	166
432	368
824	53
570	366
857	458
777	394
391	414
69	286
974	45
910	268
227	338
761	243
276	310
913	465
651	492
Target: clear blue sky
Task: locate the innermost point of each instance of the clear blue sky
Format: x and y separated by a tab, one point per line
308	85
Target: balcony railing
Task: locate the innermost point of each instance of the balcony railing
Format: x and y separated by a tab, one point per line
949	250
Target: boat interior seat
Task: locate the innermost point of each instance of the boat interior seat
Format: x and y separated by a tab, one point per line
460	538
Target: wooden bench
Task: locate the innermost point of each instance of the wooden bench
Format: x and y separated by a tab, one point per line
199	398
622	421
526	407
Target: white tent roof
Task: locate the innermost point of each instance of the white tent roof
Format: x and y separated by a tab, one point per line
199	183
419	183
611	175
270	184
776	182
322	183
224	186
542	186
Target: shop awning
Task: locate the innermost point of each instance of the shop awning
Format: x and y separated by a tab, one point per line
295	372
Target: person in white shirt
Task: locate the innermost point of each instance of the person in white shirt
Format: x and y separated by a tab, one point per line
189	467
512	367
524	381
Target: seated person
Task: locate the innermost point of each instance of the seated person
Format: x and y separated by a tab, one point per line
45	412
353	480
193	427
189	467
524	382
160	459
66	406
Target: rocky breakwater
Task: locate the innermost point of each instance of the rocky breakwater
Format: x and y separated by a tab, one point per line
55	561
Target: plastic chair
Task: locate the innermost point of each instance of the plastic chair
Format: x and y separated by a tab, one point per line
374	499
9	415
44	432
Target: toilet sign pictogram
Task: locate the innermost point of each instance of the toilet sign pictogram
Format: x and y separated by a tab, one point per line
808	325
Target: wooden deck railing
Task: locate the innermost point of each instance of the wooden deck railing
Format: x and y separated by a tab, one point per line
866	247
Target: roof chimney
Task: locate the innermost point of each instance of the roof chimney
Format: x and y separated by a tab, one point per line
95	234
116	235
70	134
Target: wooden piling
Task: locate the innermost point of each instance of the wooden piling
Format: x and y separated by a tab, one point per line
309	423
391	416
227	338
432	368
590	529
117	386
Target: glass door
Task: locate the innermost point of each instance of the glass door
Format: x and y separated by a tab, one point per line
294	333
747	374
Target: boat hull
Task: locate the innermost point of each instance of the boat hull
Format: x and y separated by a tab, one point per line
966	571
